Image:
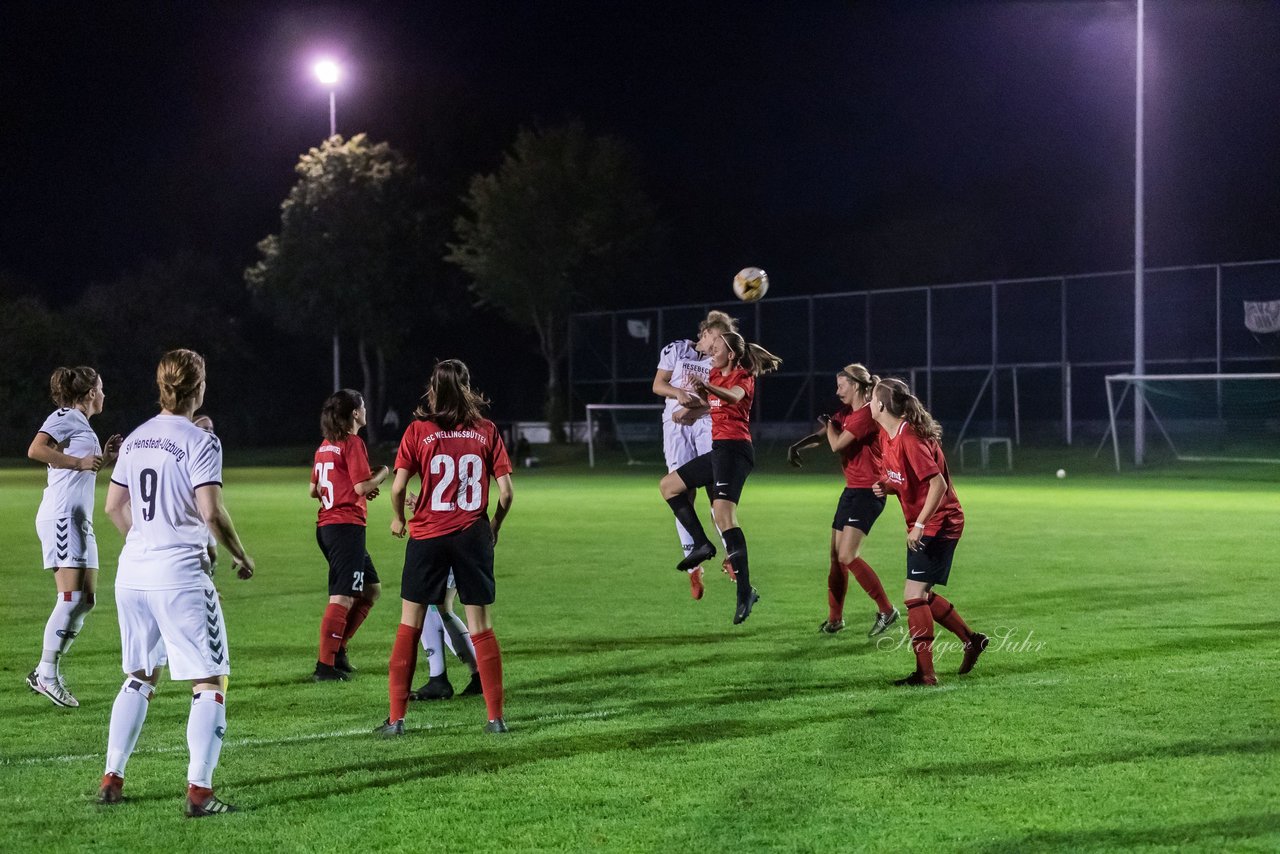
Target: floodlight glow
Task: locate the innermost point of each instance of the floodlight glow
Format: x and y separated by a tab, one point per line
327	71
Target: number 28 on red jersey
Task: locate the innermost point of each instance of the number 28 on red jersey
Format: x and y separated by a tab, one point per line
455	467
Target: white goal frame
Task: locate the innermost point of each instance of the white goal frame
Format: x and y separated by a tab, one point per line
593	408
1130	379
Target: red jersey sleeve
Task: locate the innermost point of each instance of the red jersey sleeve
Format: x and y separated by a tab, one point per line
501	462
918	455
358	460
406	456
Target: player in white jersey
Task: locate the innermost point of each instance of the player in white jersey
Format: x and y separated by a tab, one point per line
165	497
69	447
686	420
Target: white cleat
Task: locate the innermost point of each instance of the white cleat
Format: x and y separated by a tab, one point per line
56	690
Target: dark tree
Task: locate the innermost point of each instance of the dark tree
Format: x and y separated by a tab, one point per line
350	255
562	223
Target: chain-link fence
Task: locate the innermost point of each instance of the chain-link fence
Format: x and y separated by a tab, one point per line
1023	358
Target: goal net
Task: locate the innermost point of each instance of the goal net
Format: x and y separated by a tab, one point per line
1201	417
624	434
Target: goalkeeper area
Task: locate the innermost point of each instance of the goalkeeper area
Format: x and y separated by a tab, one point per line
1219	418
1127	700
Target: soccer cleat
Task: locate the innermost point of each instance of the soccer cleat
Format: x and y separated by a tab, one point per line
831	627
727	569
917	679
695	583
203	802
340	662
745	606
474	688
112	790
435	688
327	673
496	726
883	621
56	690
390	728
975	647
696	557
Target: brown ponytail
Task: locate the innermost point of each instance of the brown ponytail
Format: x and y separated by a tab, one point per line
450	400
68	386
752	357
337	413
899	402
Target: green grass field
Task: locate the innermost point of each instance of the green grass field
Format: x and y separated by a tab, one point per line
1129	701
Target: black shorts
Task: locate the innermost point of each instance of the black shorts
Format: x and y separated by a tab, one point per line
723	470
932	564
351	569
469	553
858	508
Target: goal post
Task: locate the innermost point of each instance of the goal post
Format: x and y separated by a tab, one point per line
1222	418
631	428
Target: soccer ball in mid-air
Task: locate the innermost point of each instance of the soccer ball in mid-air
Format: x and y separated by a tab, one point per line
750	284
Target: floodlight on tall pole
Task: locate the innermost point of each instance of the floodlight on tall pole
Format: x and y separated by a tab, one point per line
327	72
1139	260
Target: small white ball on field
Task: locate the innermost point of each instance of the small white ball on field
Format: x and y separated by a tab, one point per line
1062	473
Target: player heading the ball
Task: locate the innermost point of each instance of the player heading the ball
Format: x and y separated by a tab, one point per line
730	388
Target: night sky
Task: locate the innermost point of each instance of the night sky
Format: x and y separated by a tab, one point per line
839	145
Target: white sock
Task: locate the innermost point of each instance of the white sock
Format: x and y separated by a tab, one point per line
128	714
686	543
459	639
59	632
433	641
205	728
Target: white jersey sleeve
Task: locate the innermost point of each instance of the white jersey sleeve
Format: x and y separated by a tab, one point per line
685	363
69	493
162	464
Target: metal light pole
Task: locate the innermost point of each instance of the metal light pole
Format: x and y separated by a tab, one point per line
327	72
1139	260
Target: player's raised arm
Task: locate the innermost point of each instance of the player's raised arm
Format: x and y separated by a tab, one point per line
44	449
369	488
810	441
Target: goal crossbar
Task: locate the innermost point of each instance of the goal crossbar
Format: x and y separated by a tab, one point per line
1131	380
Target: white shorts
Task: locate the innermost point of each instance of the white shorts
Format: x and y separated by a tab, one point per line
68	542
681	443
184	625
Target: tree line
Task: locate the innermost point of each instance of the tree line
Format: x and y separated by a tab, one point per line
366	251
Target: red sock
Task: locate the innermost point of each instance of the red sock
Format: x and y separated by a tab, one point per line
944	612
358	612
331	629
920	623
404	658
870	582
837	587
489	660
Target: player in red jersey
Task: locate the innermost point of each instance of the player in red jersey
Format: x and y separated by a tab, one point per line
730	388
916	471
854	434
454	450
342	482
